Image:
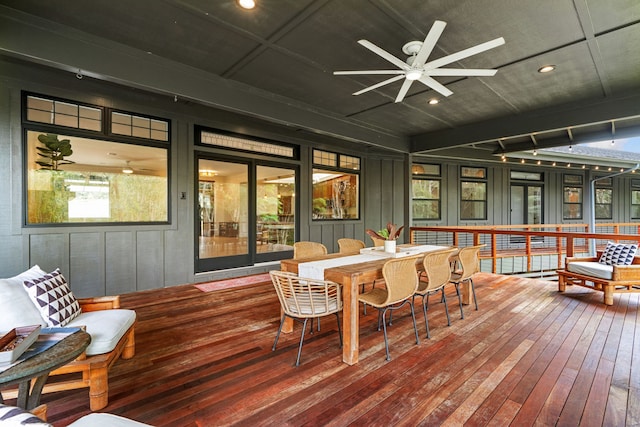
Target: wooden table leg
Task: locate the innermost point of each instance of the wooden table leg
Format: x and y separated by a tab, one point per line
466	292
351	321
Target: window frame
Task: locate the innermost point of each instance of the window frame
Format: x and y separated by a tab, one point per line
103	135
337	167
473	175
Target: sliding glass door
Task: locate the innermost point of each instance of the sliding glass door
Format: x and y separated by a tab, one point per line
246	213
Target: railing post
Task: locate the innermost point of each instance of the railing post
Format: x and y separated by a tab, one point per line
494	253
569	246
455	238
527	250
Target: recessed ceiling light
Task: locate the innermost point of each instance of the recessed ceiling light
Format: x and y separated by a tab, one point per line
546	68
433	101
247	4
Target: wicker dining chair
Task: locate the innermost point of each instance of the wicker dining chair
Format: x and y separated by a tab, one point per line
401	278
308	250
434	277
350	246
303	299
377	242
469	260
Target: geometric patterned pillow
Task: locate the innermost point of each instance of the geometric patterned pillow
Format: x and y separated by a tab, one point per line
618	254
13	416
53	297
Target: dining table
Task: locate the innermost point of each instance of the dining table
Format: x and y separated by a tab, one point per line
351	271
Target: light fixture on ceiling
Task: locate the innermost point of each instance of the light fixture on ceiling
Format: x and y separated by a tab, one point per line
417	169
613	141
539	162
521	160
127	169
546	68
247	4
433	101
535	152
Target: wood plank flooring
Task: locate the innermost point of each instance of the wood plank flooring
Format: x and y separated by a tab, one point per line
529	356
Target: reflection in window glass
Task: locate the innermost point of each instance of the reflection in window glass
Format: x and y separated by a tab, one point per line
335	195
473	203
100	181
275	209
635	204
603	203
572	206
426	198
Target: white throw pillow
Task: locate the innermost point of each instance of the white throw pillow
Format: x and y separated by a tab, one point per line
15	305
13	416
618	254
53	297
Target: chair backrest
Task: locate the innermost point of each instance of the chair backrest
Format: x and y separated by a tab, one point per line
401	278
308	249
377	242
306	297
437	268
469	261
350	246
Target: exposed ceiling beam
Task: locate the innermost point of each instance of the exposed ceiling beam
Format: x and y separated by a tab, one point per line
45	42
556	118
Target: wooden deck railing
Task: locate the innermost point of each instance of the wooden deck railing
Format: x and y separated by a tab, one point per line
533	247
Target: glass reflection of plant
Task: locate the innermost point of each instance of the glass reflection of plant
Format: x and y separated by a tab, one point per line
54	152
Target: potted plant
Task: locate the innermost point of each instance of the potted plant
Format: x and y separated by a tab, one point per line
389	235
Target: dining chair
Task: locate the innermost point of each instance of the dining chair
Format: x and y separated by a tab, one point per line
308	249
350	246
377	242
469	260
305	298
401	278
434	277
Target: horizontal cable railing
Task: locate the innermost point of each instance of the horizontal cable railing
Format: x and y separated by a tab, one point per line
525	249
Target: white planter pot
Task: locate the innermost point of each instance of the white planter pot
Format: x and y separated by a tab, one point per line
390	246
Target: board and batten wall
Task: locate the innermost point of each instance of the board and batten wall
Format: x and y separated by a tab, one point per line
118	259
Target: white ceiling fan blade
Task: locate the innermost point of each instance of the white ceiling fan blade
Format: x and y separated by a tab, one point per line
348	73
383	53
461	72
377	85
464	53
403	90
433	84
429	43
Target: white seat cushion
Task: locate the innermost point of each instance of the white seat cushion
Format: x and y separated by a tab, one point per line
105	420
106	327
15	305
591	268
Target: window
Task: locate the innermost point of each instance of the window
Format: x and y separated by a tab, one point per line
426	198
635	204
85	175
572	197
604	199
572	203
243	143
473	194
336	186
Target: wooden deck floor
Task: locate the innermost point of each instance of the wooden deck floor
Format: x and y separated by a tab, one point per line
529	356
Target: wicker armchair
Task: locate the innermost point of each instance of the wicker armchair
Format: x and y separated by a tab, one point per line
308	250
469	260
401	278
436	275
304	299
350	246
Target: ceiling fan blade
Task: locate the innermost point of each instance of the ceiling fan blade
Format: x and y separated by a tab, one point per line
461	72
383	53
348	73
403	90
377	85
464	53
429	43
433	84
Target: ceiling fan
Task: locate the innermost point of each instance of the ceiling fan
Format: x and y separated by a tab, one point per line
416	66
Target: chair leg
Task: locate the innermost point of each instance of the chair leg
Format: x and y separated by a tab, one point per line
473	291
339	330
415	326
459	299
386	342
446	307
424	310
278	334
304	328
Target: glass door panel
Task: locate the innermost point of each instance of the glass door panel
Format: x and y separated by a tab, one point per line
223	214
275	209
